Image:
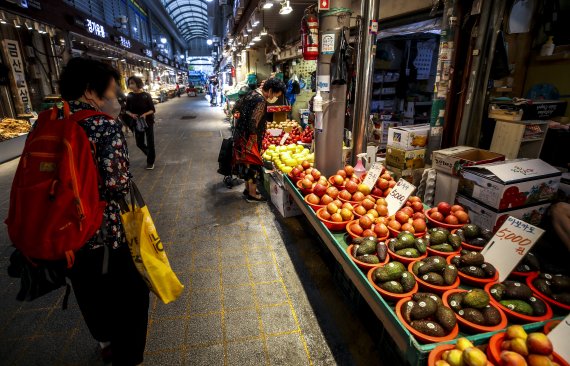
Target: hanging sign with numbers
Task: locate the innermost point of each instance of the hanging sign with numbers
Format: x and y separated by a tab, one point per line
559	338
510	244
373	174
399	195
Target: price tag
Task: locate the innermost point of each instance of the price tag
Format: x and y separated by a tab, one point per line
510	244
399	195
285	137
373	174
559	338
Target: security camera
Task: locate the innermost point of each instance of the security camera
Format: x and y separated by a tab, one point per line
122	19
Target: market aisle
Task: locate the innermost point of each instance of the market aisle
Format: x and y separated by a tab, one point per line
257	288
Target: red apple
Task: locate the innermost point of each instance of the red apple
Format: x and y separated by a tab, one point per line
351	187
325	215
316	174
349	170
360	210
365	222
345	195
419	215
419	225
367	204
402	217
408	210
408	227
386	176
295	172
437	216
325	200
338	180
381	230
357	197
376	192
307	184
333	192
457	208
383	184
444	208
332	208
414	199
319	189
462	216
337	202
369	233
357	229
392	183
336	217
309	177
417	206
382	210
354	179
395	225
341	172
305	164
452	220
313	199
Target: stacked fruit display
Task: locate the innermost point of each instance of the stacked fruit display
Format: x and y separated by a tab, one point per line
426	315
517	348
463	354
530	263
449	216
368	225
383	185
435	273
346	177
335	216
283	124
293	132
475	237
410	218
517	297
474	306
392	279
370	205
285	158
473	269
368	250
313	183
307	135
441	241
553	286
318	197
406	247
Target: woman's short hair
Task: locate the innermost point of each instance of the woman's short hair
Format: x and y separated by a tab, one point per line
138	81
82	74
275	85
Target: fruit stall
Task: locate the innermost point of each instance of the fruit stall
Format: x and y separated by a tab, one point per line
422	269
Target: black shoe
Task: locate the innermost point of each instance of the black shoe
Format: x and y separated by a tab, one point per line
149	167
252	199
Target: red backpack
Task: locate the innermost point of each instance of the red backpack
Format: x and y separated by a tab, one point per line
54	203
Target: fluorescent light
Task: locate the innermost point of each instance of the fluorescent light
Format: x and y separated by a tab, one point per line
285	8
209	42
28	25
3	17
257	38
263	32
268	5
17	24
163	40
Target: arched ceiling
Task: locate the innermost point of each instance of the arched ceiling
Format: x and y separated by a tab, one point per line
190	16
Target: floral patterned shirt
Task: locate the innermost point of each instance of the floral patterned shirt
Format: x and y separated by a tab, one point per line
112	159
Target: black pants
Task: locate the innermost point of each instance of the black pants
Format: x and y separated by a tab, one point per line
114	305
146	147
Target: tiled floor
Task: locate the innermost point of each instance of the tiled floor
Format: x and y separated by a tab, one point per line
257	290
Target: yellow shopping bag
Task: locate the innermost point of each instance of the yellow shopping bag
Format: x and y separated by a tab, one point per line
147	249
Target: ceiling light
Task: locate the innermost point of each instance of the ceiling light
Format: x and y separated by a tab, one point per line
3	18
163	40
257	38
263	32
209	42
285	8
28	25
182	57
254	20
268	5
249	27
17	23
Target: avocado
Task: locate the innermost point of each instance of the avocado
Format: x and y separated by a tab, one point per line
560	283
489	269
424	308
461	234
397	265
473	271
408	281
437	260
435	264
392	286
437	237
407	310
381	251
492	315
538	306
517	291
455	300
406	241
403	234
358	241
546	276
454	240
465	251
486	234
449	274
543	286
498	291
418	296
428	327
367	247
532	261
476	298
416	266
391	243
432	230
521	267
368	258
421	245
355	250
442	247
472	259
433	278
456	260
472	315
478	242
446	318
471	230
388	272
408	252
519	306
563	297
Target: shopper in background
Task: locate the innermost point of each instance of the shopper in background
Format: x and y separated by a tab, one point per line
110	292
248	136
178	90
141	109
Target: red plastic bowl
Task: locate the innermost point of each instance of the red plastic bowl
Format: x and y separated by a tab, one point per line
293	179
494	351
518	317
550	300
435	223
474	281
433	288
354	203
548	327
522	275
314	207
472	327
433	252
362	265
391	296
394	233
437	352
354	236
420	336
405	260
332	225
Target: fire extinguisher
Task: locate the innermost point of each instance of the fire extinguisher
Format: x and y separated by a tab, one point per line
310	36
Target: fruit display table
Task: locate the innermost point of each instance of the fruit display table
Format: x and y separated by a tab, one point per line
410	350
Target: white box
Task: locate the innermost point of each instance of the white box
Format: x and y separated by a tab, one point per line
409	137
282	199
445	188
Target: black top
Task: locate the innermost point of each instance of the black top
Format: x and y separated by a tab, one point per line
139	103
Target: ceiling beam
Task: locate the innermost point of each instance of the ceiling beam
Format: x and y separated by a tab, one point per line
251	6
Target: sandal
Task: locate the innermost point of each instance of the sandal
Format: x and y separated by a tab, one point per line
252	199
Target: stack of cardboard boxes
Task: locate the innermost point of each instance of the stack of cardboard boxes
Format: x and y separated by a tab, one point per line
518	188
406	151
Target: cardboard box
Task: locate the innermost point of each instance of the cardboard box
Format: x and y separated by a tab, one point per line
445	187
282	199
409	137
405	159
413	176
510	184
452	160
491	219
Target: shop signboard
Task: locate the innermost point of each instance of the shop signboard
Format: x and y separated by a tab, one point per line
399	195
146	52
15	61
327	43
95	28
